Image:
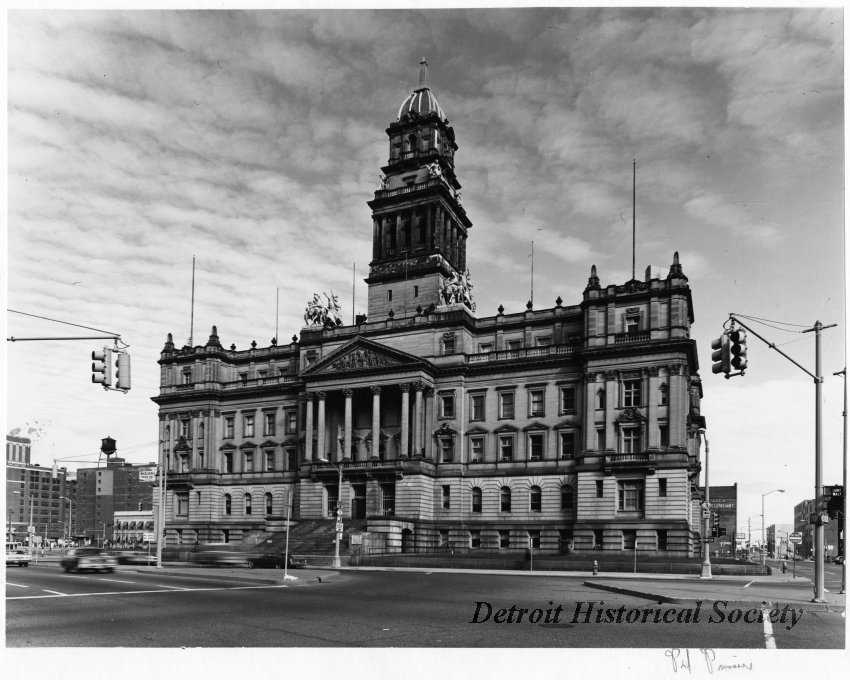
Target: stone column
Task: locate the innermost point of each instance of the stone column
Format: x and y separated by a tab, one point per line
308	432
417	420
405	415
611	398
652	439
590	411
321	451
428	424
346	441
376	421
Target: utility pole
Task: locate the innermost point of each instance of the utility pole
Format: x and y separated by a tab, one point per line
706	513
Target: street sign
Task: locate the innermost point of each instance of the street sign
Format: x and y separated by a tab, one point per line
706	514
148	536
147	474
795	537
339	526
31	529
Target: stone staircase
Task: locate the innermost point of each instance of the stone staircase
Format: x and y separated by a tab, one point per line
311	537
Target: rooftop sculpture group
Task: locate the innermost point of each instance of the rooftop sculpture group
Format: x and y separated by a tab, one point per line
325	314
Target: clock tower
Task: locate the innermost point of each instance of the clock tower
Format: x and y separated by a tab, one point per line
419	226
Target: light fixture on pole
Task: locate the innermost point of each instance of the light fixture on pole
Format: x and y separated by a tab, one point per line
767	493
338	531
286	550
706	518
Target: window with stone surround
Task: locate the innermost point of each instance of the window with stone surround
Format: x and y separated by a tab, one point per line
506	405
476	406
505	499
536	403
632	393
506	447
535	499
536	446
630	495
476	449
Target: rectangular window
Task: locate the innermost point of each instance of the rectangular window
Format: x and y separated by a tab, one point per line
448	346
662	398
629	539
630	496
568	399
543	341
447	496
333	500
249	462
228	427
243	378
475	539
663	435
631	440
632	324
506	405
447	406
291	421
416	291
568	445
661	539
447	449
269	461
182	504
291	458
269	425
506	448
187	377
536	403
631	393
662	486
534	539
185	430
485	347
599	488
389	296
514	344
388	499
600	439
444	538
535	446
248	426
504	539
476	407
476	449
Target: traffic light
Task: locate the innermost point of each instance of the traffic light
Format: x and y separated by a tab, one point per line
835	504
102	367
140	506
122	373
738	349
715	524
720	356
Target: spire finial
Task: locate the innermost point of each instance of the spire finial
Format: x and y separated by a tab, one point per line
423	75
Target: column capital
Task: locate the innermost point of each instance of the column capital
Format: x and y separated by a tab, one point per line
428	391
308	396
347	392
404	387
321	396
376	389
419	386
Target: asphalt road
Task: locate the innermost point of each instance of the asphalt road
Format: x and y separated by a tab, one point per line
831	572
48	608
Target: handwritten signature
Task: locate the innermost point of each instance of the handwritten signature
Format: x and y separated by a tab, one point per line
680	659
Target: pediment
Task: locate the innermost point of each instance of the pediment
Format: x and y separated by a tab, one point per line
630	415
362	355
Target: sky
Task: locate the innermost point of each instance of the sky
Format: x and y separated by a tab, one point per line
251	141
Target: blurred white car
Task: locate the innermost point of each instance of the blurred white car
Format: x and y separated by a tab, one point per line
93	559
20	558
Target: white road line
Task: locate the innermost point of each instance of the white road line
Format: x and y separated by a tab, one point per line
139	592
16	585
162	585
115	580
769	642
749	584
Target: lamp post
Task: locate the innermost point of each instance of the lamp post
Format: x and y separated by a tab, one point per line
767	493
338	531
70	517
706	521
286	550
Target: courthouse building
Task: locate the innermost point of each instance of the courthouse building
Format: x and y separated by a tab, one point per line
574	426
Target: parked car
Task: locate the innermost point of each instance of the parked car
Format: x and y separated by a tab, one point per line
135	557
94	559
220	555
839	559
20	558
273	561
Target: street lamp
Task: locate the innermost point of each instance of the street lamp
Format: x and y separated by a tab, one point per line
762	520
706	514
338	531
288	517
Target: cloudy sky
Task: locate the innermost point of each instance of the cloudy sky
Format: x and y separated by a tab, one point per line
252	141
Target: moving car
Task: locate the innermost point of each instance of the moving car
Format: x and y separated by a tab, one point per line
273	561
20	558
94	559
220	555
135	557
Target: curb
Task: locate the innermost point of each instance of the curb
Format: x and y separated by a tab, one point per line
671	599
311	579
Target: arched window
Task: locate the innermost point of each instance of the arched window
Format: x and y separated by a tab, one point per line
268	504
536	499
567	497
247	504
476	499
228	504
505	498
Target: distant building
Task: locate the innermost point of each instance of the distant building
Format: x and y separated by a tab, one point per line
803	525
724	501
105	490
776	539
34	494
566	427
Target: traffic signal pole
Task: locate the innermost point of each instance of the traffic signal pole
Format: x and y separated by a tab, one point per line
818	378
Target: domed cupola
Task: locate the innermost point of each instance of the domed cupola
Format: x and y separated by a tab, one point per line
422	102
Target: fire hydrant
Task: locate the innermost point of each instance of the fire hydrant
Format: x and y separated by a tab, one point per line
595	567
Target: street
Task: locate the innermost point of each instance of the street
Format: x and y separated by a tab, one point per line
48	608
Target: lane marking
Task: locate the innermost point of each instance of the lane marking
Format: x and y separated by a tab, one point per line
16	585
749	584
162	585
139	592
769	641
115	580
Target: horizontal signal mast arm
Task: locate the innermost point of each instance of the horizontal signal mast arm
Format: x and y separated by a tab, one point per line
773	346
76	337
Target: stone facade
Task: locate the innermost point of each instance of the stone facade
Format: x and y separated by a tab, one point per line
573	427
